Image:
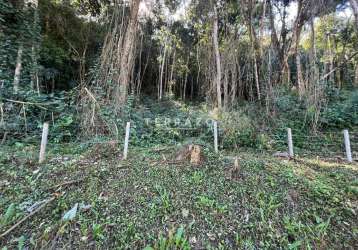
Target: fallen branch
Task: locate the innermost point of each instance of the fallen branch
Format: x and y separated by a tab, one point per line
90	95
163	148
3	139
28	216
339	66
67	183
40	105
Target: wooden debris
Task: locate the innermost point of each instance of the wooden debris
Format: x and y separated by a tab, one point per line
3	139
281	155
196	155
67	183
192	153
236	163
163	149
184	153
236	170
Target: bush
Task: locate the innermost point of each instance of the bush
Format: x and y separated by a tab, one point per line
237	129
341	113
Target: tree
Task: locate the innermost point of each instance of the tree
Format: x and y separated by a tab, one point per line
126	60
20	50
354	5
217	57
35	48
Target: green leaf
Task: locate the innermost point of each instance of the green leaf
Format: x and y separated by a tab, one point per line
179	235
295	244
21	243
9	215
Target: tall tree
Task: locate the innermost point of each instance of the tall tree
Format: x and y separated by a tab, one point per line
20	5
217	56
34	48
354	5
297	36
126	59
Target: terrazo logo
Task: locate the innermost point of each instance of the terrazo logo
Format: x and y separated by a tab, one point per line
166	122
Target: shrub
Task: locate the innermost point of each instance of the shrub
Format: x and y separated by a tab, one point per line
341	113
237	130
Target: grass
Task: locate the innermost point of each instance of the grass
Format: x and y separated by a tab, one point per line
147	202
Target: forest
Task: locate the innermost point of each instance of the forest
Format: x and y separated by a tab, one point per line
178	124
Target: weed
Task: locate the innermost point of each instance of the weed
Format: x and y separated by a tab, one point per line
173	241
197	177
163	200
205	201
98	232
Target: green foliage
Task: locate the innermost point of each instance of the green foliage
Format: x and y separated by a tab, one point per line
27	118
163	199
19	28
21	243
342	112
237	130
97	231
9	215
173	241
69	42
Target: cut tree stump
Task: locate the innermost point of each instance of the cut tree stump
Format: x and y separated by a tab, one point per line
192	153
196	155
236	170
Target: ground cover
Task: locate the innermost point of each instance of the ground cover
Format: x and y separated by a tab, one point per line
151	201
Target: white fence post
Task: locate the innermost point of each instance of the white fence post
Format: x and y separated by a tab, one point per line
216	137
126	141
348	145
290	142
43	142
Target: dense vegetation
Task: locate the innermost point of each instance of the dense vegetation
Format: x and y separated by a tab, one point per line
170	67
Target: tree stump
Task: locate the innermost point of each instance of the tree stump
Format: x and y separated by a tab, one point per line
196	155
192	153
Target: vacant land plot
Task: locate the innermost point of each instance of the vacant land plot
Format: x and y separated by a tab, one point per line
152	201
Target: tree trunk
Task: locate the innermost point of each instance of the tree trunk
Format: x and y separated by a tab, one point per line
256	48
199	68
356	76
217	58
121	90
354	5
184	87
20	50
234	89
331	60
275	43
269	94
314	74
256	67
34	49
160	92
226	89
171	82
297	37
18	69
300	81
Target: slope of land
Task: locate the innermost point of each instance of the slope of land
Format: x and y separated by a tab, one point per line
151	201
